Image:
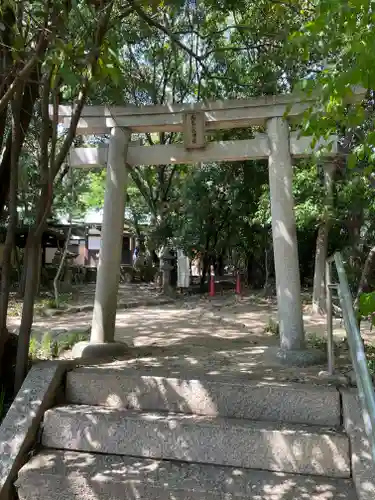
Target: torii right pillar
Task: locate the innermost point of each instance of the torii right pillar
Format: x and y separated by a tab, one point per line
292	349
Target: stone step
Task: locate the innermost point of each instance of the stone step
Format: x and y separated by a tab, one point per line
255	400
58	475
212	440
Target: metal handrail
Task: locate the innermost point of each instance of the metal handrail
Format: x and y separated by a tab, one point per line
357	352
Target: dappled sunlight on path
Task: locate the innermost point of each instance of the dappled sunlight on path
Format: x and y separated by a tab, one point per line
224	336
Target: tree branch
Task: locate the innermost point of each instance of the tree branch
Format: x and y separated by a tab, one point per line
45	133
62	174
170	179
91	63
29	98
152	22
30	64
141	185
237	49
92	59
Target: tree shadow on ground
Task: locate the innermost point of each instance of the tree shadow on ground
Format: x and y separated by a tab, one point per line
112	453
95	477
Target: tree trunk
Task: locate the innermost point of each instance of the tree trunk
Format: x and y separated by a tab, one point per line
204	271
220	265
249	267
32	263
205	260
12	223
368	271
21	284
318	301
66	245
266	270
31	287
29	98
364	283
319	291
62	261
18	262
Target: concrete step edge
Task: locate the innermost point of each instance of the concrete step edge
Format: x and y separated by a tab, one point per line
292	448
191	419
256	400
109	472
135	373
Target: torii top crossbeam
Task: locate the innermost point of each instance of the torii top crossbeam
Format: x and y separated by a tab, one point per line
225	114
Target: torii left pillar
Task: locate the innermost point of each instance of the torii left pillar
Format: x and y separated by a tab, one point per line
102	340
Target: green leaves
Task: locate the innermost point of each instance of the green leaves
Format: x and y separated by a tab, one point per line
217	206
366	308
342	35
93	196
352	160
70	77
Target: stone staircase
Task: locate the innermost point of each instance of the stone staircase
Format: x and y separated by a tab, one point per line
123	433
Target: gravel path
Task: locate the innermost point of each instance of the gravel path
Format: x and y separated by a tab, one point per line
223	336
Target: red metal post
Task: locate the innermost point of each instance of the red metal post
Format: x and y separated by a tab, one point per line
212	282
238	284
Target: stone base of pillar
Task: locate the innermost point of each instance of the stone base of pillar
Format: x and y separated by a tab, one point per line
100	350
300	357
170	292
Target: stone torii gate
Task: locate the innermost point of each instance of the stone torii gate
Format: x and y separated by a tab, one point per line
195	121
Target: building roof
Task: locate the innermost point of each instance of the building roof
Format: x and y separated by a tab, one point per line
52	237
